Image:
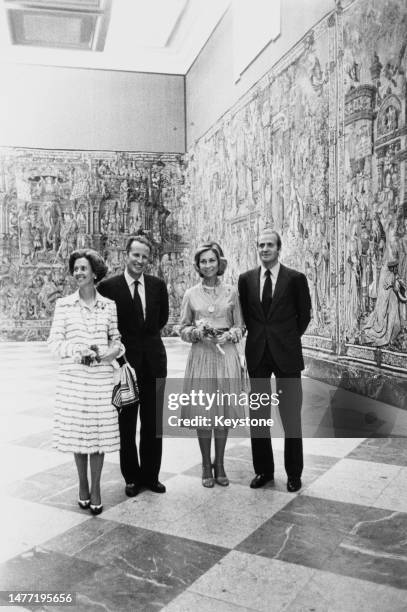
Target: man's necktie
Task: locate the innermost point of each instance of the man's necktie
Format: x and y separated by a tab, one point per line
137	302
267	294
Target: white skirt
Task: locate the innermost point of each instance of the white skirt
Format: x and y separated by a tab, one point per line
85	420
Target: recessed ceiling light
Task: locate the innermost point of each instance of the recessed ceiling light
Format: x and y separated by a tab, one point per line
66	24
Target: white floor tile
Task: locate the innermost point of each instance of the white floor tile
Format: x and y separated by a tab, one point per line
353	481
18	462
327	592
254	582
394	496
24	524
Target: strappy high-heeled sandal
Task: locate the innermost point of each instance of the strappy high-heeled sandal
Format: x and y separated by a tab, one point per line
207	481
223	481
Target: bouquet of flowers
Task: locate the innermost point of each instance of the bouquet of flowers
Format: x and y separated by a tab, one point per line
207	331
92	356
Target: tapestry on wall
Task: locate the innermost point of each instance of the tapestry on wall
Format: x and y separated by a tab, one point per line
52	202
267	162
372	181
317	149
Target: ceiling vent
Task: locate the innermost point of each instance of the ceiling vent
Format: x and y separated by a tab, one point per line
67	24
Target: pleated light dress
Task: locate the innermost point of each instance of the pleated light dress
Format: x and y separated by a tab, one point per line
208	369
85	421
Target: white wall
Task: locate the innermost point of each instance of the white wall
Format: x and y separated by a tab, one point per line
70	108
210	83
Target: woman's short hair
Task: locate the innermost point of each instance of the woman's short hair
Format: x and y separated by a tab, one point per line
138	238
217	249
95	260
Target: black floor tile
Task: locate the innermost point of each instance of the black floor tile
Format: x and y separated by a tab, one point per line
98	541
79	537
302	544
43	570
306	531
58	487
335	516
375	549
149	575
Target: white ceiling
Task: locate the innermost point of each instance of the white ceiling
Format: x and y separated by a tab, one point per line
163	36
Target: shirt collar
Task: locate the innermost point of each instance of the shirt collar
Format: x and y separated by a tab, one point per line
274	270
130	280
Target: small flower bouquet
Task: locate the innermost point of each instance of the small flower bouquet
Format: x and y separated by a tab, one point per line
90	358
207	331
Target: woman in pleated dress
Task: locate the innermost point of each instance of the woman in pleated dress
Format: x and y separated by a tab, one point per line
85	337
211	320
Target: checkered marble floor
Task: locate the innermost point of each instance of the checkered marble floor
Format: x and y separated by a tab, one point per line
338	545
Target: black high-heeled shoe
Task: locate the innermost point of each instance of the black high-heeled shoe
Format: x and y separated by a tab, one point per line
96	509
84	503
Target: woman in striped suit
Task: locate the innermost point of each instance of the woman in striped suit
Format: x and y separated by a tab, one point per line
85	337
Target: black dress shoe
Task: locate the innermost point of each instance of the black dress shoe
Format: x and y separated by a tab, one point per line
156	487
293	484
260	480
131	490
95	510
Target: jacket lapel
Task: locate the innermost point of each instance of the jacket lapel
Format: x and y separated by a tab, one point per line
281	284
255	288
124	290
147	293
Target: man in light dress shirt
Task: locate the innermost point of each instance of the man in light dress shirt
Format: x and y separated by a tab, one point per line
142	311
276	308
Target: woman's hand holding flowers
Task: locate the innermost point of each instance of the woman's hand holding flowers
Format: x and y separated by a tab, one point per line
87	355
205	331
223	338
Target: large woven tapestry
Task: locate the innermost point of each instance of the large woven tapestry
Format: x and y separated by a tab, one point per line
52	202
372	198
267	162
317	150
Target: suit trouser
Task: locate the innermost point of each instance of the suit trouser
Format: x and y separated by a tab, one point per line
290	401
150	448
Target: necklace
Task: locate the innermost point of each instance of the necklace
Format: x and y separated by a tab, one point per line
211	296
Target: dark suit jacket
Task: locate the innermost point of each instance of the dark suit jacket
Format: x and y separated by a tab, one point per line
286	321
142	340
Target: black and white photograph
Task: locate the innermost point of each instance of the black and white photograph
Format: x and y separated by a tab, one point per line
203	305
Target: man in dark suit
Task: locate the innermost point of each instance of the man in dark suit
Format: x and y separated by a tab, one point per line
276	307
142	311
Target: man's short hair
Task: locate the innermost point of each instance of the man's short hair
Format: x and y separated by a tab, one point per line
268	230
142	239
